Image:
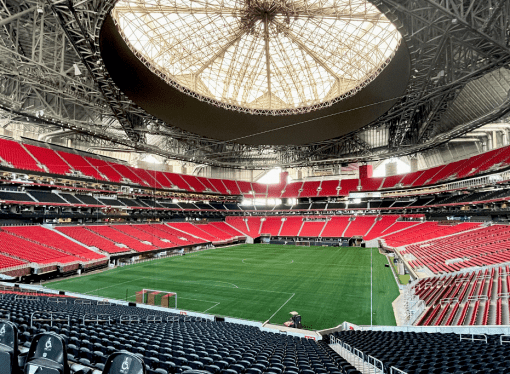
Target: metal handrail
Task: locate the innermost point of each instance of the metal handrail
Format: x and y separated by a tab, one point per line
51	319
98	318
129	318
26	297
472	338
501	341
57	300
394	370
82	302
375	362
154	319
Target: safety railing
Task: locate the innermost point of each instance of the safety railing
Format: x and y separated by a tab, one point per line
153	319
473	337
377	364
97	319
503	339
361	361
82	302
129	319
394	370
57	300
25	297
54	317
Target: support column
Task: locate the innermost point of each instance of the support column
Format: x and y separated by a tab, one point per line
365	171
414	164
391	168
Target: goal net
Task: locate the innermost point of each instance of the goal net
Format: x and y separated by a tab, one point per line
165	299
304	244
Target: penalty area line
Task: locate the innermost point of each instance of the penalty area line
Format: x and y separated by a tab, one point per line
269	319
116	284
211	307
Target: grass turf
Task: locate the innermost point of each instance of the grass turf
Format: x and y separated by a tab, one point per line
326	285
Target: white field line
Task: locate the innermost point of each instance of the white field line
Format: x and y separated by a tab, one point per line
269	319
114	285
197	281
244	259
211	307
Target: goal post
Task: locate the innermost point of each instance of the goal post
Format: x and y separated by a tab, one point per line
156	298
303	243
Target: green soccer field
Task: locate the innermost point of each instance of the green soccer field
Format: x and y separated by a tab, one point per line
260	282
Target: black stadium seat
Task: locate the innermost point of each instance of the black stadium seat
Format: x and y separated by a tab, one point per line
47	355
124	363
8	348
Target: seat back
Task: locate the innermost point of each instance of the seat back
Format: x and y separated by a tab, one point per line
47	355
8	347
124	363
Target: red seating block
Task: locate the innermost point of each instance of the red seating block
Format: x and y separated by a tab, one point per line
17	156
50	159
91	239
79	163
51	239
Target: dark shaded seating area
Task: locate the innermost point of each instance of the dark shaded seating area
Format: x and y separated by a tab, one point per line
166	342
431	353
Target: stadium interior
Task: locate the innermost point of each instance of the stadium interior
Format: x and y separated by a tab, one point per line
191	187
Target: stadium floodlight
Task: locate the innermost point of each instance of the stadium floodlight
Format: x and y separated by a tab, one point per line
261	56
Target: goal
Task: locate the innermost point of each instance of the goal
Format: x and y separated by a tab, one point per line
304	244
156	297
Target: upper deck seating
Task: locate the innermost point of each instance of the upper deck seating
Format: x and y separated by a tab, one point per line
371	184
178	181
194	183
128	174
309	189
391	181
105	168
81	164
348	185
50	159
17	156
219	186
329	188
292	189
232	187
